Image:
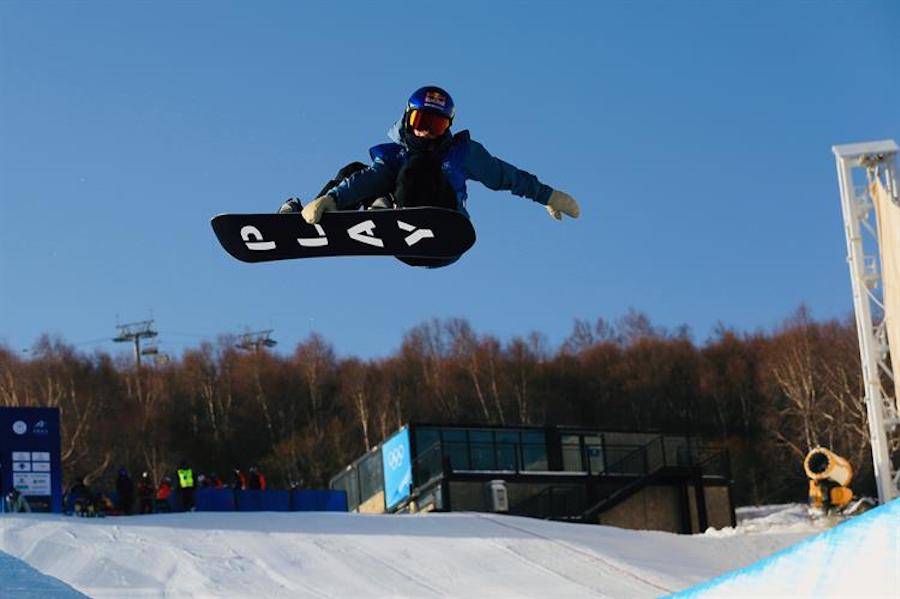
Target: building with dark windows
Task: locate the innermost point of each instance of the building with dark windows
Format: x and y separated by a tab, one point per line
631	480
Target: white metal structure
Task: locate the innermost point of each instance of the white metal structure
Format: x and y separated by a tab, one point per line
873	159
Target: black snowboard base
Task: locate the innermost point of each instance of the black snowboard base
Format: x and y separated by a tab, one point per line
423	235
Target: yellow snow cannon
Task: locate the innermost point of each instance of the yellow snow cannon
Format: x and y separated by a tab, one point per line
829	479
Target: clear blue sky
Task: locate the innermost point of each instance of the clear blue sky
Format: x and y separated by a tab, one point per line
695	135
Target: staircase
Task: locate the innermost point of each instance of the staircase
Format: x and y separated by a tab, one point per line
658	461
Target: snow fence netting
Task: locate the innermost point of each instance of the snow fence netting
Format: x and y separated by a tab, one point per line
888	216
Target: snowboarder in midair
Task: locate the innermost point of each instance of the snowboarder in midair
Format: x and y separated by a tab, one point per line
427	165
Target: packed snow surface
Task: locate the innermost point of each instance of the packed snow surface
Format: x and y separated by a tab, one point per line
320	554
859	558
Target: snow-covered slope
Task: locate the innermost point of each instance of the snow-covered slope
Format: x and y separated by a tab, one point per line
351	555
19	580
859	558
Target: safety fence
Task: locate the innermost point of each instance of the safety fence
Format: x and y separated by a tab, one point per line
229	500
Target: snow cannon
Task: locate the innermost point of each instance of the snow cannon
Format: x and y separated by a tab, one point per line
829	479
821	463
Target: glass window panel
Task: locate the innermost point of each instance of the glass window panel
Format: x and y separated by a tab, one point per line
594	455
483	456
427	465
371	478
507	436
454	435
507	456
572	458
535	457
346	481
458	453
425	438
570	439
533	437
481	436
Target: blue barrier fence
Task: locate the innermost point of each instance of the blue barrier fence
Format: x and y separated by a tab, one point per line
228	500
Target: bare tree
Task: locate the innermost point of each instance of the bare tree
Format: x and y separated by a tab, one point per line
464	347
791	365
525	355
426	349
355	388
315	360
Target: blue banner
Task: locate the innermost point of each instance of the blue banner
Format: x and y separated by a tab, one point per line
397	462
30	456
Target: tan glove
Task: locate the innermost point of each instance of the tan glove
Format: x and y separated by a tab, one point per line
562	203
312	212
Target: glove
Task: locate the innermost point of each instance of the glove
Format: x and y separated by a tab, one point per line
291	205
562	203
312	212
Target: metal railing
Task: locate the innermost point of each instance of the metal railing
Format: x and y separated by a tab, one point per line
555	502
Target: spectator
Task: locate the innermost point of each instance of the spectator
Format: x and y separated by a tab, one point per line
186	486
145	494
257	481
80	500
215	482
16	502
162	495
125	492
239	480
104	503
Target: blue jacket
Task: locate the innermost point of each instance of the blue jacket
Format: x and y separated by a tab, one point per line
465	159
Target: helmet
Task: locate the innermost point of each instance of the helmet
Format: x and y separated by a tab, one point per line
431	108
433	99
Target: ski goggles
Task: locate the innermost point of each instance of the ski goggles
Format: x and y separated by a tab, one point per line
432	122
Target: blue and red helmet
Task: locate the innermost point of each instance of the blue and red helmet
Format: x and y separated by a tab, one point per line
430	108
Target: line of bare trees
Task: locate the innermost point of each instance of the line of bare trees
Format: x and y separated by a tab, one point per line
768	396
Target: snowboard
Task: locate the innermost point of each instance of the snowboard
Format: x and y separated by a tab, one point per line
403	232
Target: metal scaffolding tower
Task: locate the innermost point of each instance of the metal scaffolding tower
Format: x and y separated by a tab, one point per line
876	159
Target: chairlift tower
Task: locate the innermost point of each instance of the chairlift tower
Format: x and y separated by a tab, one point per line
133	333
256	341
874	309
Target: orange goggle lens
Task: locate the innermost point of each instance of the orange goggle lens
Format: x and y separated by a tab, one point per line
435	124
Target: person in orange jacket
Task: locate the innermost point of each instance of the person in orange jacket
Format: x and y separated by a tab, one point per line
238	480
257	479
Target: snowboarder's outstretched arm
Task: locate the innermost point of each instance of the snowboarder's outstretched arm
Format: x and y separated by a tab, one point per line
496	174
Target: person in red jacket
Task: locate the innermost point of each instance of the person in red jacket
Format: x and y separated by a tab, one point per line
162	495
